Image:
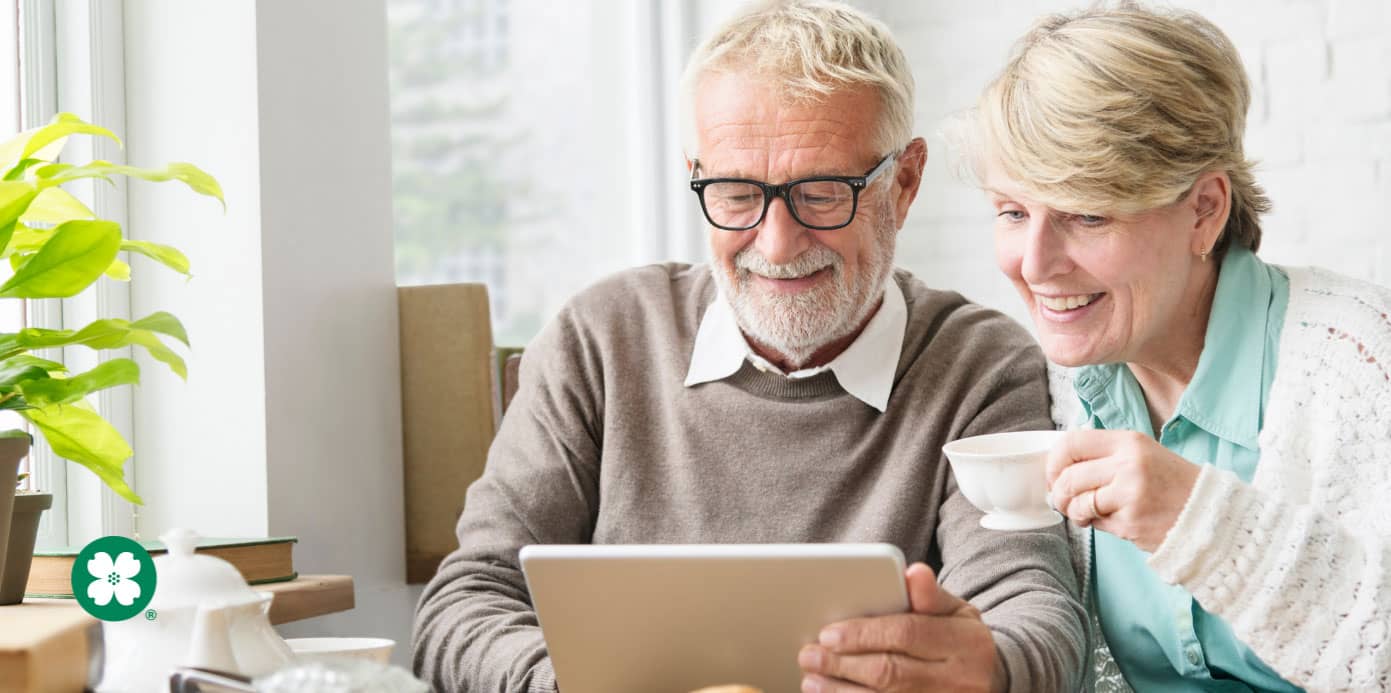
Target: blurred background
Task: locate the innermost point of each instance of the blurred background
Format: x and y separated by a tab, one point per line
536	144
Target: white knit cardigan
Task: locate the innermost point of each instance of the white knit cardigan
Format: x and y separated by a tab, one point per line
1298	562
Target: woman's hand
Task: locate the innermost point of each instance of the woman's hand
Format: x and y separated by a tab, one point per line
1121	482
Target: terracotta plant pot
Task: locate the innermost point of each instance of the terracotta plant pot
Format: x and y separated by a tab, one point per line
12	450
24	530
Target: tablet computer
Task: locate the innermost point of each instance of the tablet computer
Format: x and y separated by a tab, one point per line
676	618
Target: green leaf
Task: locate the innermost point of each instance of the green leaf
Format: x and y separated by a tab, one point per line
14	199
81	435
16	172
26	241
69	262
49	170
62	125
118	270
195	178
110	333
160	352
55	206
6	233
166	255
163	323
12	372
49	391
31	360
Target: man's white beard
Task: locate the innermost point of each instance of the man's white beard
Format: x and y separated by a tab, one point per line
797	325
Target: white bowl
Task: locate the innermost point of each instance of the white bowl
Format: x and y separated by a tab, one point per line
1004	475
374	649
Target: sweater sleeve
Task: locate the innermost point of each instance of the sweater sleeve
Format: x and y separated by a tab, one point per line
1023	582
1306	594
475	626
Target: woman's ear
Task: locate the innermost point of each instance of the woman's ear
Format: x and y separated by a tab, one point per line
1211	202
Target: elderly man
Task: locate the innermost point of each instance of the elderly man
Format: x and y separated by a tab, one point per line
797	389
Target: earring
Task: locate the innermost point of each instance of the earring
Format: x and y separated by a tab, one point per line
1204	254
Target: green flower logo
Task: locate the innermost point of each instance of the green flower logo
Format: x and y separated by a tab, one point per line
113	578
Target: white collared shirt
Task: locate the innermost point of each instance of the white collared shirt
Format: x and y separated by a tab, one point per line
865	369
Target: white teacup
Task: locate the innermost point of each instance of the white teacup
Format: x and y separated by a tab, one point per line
1003	474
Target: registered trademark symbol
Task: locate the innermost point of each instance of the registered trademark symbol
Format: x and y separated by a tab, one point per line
150	614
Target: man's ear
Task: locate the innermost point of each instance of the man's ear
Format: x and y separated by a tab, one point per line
1210	201
908	177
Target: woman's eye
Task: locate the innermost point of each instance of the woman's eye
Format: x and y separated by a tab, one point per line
1011	215
1090	219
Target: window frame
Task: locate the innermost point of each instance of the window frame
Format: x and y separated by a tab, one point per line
71	57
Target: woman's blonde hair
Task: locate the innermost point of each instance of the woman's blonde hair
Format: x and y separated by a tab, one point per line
1119	110
805	50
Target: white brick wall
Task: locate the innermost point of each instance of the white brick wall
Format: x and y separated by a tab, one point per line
1320	126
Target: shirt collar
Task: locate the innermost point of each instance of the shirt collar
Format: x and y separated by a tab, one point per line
865	369
1228	378
1225	394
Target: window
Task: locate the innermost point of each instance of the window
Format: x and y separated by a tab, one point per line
89	82
535	147
11	312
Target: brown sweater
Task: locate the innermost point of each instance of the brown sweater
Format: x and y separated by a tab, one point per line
603	444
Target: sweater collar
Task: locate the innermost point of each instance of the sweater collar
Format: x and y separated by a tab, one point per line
865	369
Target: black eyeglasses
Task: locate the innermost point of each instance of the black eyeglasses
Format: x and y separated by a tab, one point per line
820	202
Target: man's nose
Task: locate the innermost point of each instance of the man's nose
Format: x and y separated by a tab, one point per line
780	238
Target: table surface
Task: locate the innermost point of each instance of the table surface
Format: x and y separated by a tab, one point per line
43	642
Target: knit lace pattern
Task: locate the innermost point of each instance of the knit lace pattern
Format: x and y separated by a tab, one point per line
1297	562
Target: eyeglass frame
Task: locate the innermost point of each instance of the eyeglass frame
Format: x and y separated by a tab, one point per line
770	191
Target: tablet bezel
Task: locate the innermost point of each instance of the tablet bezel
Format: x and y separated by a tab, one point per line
677	617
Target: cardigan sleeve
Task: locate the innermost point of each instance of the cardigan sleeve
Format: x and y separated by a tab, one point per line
1309	595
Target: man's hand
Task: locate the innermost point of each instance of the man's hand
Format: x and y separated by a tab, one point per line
1121	482
941	645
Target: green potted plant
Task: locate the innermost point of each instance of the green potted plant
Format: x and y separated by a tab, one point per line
57	248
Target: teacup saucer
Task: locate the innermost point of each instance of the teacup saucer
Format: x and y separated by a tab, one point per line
1017	522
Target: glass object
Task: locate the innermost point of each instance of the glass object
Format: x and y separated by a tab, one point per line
819	202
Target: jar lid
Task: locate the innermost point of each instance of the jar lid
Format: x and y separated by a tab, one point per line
185	578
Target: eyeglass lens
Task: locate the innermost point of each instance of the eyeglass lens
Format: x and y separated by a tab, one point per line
814	203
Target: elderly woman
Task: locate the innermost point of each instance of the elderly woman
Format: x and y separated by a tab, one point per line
1234	472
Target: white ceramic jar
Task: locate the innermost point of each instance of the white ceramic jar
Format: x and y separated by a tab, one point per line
205	615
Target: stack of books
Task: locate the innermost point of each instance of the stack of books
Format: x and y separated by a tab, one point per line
260	561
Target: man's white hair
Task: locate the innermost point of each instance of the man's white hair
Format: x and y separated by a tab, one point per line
804	50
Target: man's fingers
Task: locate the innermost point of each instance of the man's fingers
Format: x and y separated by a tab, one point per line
815	683
878	671
918	635
925	596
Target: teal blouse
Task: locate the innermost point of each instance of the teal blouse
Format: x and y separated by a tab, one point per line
1161	638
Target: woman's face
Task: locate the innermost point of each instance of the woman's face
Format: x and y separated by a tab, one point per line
1105	289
